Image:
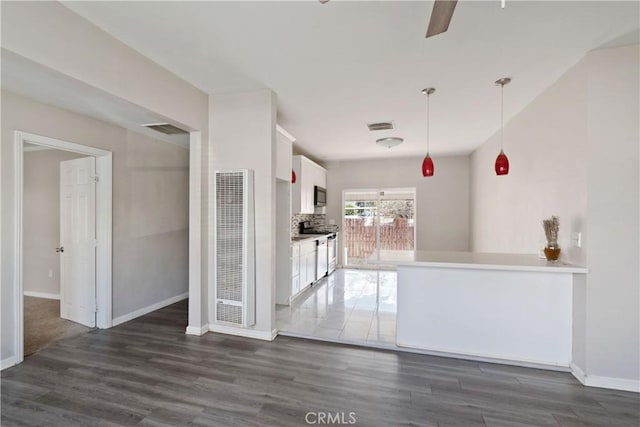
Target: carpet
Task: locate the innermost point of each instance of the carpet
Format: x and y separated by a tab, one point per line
43	325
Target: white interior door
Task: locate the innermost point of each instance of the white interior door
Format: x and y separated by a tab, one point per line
78	241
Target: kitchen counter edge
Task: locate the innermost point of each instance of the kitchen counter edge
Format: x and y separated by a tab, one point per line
490	261
310	238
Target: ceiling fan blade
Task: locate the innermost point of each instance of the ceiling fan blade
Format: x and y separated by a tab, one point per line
441	16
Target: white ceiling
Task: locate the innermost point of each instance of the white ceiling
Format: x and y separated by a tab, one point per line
35	81
337	66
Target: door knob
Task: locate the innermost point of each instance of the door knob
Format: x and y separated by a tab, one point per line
60	249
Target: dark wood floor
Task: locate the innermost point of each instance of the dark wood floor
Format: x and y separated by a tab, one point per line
148	372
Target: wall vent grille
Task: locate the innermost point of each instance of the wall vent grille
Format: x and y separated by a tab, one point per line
229	313
166	128
235	248
381	126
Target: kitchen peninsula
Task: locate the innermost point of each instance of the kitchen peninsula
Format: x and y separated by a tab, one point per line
505	307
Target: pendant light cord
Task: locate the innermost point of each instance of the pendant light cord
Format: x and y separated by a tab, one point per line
501	117
428	123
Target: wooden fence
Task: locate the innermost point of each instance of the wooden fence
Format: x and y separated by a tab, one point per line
360	239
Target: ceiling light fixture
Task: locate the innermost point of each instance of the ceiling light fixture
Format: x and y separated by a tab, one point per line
502	162
427	163
389	142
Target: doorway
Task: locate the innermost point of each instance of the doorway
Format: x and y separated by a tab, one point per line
99	312
47	225
378	226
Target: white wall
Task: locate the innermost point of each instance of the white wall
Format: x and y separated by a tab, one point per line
442	201
50	34
546	147
574	152
243	134
150	199
613	219
41	219
54	36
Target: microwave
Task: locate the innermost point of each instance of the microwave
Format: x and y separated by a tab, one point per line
319	196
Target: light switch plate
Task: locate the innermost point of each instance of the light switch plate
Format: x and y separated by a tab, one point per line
576	239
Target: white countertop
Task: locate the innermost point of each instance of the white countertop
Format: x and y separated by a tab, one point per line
307	237
489	261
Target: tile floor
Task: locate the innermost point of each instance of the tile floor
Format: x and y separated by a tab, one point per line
352	306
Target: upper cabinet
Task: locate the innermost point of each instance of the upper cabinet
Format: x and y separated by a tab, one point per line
308	175
283	154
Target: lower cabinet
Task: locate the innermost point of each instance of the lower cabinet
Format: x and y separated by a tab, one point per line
295	269
303	265
308	253
295	285
311	266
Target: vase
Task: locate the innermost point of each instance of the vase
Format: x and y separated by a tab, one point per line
552	252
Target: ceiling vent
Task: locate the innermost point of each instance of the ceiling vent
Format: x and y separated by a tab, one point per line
166	128
381	126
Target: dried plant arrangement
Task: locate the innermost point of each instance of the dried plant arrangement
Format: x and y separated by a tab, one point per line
551	229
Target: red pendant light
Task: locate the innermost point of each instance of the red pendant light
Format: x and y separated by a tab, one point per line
427	164
502	162
294	178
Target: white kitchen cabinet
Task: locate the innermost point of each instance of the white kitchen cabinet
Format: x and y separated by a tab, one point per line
311	260
307	263
295	265
304	264
303	271
308	175
295	285
283	155
295	269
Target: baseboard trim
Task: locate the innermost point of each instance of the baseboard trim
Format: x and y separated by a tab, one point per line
7	363
356	343
612	383
537	364
197	330
622	384
148	309
41	295
577	372
242	332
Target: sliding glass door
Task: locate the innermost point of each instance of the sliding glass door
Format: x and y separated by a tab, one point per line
378	226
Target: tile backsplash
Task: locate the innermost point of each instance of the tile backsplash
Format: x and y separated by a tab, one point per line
317	221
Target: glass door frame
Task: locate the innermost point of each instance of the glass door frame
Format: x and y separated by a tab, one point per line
377	191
